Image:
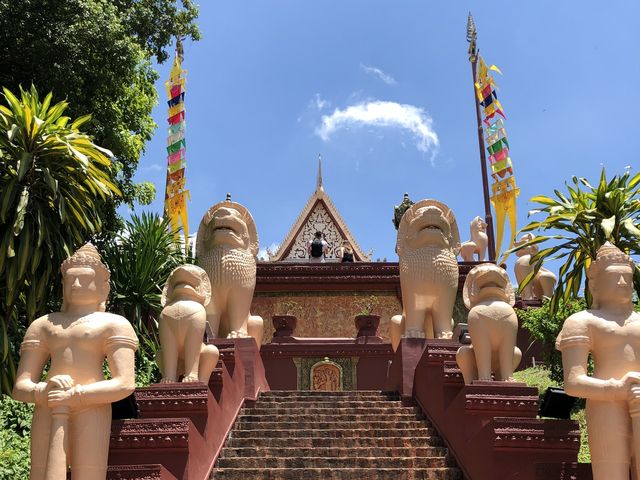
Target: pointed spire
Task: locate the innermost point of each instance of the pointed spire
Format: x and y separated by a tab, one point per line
471	37
319	185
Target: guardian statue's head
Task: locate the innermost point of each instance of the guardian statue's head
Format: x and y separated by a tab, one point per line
85	279
187	282
227	224
487	282
530	250
428	223
611	277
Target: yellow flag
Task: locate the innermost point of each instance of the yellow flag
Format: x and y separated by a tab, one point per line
505	192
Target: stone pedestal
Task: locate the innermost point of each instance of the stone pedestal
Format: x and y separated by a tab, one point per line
491	428
182	426
403	366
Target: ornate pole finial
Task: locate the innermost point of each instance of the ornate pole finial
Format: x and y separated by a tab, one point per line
319	184
471	38
179	49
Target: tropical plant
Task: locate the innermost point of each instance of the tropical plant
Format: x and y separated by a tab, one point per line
587	217
140	258
366	305
544	326
52	177
101	55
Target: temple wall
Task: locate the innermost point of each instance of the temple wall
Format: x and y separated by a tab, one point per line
331	314
321	314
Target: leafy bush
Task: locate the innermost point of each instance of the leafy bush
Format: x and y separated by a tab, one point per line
545	327
15	428
540	378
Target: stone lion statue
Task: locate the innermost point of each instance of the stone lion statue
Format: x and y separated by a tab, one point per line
182	325
545	280
493	326
477	245
226	249
428	244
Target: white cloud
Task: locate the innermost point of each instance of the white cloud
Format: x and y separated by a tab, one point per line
379	113
318	102
376	72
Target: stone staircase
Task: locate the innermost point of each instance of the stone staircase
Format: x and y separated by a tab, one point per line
360	435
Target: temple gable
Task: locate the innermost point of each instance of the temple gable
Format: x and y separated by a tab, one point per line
319	214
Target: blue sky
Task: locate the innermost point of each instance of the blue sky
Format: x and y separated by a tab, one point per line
383	91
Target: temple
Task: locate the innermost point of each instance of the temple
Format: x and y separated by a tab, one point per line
318	215
330	370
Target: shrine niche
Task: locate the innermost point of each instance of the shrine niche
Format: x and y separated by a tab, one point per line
318	215
326	376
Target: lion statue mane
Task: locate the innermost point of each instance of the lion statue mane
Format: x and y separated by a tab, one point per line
427	245
226	249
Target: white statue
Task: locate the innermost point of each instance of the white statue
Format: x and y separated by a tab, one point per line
428	244
72	417
226	248
182	325
493	326
543	283
477	245
610	332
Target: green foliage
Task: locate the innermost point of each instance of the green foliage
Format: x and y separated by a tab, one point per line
15	428
587	217
544	326
52	179
580	416
141	258
366	305
538	377
541	379
99	54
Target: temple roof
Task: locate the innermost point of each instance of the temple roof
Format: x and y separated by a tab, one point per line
319	214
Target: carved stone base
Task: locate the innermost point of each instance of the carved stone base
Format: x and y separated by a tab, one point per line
138	472
491	428
183	426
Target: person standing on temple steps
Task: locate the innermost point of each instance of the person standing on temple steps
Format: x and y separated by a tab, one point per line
317	248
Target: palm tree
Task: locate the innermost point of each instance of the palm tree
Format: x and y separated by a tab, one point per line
586	219
141	258
52	179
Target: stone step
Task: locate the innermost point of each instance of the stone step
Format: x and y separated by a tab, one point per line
331	404
337	474
333	462
327	417
282	410
330	425
326	398
334	451
333	433
337	442
315	393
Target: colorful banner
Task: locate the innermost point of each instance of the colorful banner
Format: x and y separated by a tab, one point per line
504	189
176	194
175	119
179	127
